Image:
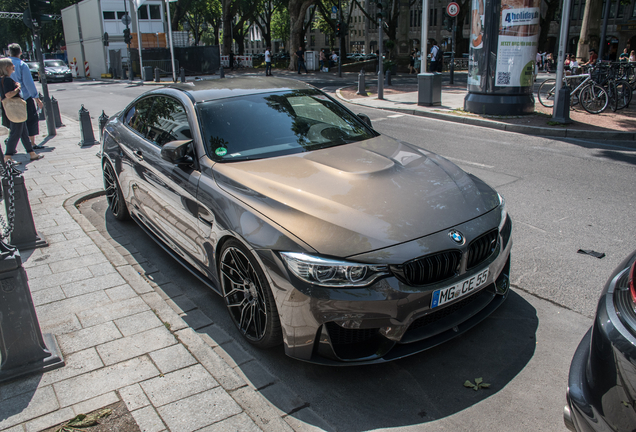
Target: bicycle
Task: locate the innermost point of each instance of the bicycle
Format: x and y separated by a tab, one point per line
593	98
612	77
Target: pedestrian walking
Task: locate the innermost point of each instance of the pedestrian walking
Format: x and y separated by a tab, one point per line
28	92
17	131
268	62
323	60
301	59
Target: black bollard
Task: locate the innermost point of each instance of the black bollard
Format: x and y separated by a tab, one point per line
387	78
86	128
157	77
23	348
23	235
182	74
103	119
221	72
56	113
362	88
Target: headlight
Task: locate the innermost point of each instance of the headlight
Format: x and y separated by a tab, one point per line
332	273
504	211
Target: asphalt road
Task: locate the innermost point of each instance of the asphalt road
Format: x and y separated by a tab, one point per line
563	195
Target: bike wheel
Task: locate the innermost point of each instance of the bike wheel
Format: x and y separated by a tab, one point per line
546	93
594	99
613	97
623	94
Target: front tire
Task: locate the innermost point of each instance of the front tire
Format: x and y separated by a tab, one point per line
248	297
114	196
594	99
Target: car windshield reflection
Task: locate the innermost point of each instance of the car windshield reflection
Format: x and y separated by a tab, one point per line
274	124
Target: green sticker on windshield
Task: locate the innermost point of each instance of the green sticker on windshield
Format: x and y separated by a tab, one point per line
221	151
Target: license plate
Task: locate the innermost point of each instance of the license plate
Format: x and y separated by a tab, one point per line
458	290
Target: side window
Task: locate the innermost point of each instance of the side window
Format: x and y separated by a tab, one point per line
168	122
138	116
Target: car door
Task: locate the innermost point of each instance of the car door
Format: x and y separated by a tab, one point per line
164	192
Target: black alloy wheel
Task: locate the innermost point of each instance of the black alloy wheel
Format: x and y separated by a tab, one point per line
248	297
113	193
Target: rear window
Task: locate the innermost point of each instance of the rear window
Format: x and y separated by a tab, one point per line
275	124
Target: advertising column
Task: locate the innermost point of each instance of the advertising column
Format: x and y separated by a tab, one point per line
503	46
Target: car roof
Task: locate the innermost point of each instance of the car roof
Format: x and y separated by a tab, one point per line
205	90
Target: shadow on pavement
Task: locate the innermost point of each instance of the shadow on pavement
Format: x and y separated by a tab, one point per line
415	390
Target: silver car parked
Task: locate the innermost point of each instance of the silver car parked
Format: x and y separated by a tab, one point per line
345	245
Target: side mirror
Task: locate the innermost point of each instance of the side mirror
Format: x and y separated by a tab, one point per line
176	152
365	118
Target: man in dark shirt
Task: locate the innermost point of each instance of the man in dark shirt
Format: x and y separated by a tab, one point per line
301	59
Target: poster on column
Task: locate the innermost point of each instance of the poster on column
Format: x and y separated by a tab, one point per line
476	59
518	40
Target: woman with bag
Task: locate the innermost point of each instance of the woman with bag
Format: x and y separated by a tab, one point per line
14	113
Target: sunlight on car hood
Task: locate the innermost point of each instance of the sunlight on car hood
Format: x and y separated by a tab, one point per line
358	197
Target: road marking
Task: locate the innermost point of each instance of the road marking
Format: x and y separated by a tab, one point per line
396	116
468	162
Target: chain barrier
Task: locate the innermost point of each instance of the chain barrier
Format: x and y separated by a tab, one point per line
9	172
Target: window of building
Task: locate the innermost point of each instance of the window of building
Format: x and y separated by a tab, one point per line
613	9
120	15
621	10
155	11
634	11
326	39
575	10
142	13
435	17
109	15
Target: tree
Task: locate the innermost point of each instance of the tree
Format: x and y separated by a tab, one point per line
590	28
297	26
265	15
280	25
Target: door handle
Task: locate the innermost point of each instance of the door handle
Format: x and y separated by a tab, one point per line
139	155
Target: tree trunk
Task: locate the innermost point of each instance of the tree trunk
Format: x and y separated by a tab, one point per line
590	28
297	10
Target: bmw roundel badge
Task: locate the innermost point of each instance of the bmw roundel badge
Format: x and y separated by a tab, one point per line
456	236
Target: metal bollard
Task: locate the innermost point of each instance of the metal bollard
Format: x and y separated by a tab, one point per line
56	113
23	348
387	78
221	72
362	88
86	128
182	74
24	235
157	77
103	119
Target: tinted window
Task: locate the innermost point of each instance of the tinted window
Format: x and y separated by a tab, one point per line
137	117
167	121
154	12
274	124
142	12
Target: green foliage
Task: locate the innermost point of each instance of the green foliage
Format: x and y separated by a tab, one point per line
479	384
280	25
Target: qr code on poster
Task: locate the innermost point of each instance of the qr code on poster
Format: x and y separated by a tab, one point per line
503	78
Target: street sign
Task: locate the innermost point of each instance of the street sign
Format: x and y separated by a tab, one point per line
334	12
452	9
125	20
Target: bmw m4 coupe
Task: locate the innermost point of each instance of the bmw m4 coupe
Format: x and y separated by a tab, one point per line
319	233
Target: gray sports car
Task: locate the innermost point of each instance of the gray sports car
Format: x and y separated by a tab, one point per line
345	245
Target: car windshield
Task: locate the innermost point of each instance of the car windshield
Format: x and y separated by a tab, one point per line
275	124
33	65
54	63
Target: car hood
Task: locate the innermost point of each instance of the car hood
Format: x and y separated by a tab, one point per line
57	69
358	197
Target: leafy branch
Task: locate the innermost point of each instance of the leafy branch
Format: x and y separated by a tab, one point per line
479	383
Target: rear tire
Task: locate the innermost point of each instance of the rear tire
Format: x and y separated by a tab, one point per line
248	296
546	93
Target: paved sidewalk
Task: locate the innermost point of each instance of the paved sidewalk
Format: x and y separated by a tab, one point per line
122	337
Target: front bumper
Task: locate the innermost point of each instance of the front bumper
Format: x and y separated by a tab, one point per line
384	321
602	381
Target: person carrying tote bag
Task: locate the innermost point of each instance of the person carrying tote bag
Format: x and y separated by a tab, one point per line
9	89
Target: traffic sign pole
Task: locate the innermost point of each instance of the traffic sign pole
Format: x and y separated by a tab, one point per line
453	10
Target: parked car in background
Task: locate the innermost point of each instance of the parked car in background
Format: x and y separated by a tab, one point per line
601	390
34	67
57	70
319	233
